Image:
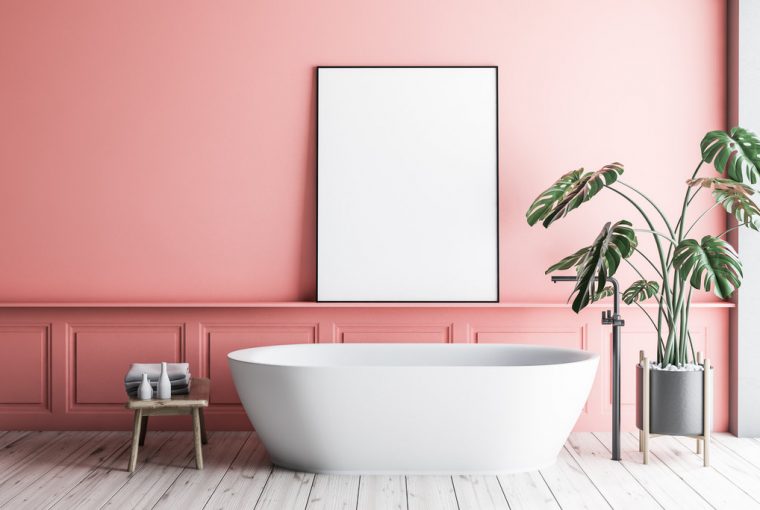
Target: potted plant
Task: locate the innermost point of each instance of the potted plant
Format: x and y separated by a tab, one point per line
679	265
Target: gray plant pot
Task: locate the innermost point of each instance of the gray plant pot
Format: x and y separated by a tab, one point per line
675	402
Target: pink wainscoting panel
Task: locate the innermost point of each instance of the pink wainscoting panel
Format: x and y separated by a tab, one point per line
554	338
222	339
101	355
402	333
87	350
25	374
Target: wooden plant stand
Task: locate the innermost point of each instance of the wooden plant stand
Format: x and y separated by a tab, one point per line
191	404
707	403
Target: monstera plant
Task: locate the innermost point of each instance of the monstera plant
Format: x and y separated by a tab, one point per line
680	264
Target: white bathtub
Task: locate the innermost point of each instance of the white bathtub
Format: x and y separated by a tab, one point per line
413	408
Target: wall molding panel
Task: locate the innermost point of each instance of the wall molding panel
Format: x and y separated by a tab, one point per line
96	380
70	361
553	337
403	333
25	384
220	339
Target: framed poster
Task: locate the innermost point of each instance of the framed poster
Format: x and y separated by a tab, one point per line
407	184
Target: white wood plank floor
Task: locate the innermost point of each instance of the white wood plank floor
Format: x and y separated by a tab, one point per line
87	470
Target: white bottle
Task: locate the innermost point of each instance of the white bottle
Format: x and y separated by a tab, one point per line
164	386
145	391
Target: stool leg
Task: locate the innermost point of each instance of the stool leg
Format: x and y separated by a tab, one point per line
135	440
197	438
143	430
204	435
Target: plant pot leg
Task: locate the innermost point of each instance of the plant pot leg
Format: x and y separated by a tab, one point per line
707	406
645	409
641	431
699	439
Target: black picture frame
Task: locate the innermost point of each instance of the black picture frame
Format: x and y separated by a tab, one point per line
497	184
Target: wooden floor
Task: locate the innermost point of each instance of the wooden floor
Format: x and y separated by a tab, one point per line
83	470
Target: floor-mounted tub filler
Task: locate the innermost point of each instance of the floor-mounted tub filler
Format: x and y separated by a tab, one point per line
413	408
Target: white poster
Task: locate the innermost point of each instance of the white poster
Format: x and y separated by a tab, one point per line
407	170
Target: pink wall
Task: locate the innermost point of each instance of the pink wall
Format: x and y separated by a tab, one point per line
164	152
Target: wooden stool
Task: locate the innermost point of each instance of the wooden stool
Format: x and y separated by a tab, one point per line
179	404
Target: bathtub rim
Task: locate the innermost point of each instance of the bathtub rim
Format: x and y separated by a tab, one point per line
587	356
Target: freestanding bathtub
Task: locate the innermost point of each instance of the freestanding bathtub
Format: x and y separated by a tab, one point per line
413	408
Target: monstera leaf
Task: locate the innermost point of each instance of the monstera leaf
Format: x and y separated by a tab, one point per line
735	198
581	190
546	201
713	261
595	263
640	290
719	183
605	292
570	260
736	153
743	208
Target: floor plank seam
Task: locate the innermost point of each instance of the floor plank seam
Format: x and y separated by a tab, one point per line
735	484
503	493
454	488
130	475
28	460
653	454
27	434
589	478
126	480
738	454
406	491
185	467
311	488
39	454
5	504
358	492
227	470
115	455
550	490
263	487
718	470
633	476
667	465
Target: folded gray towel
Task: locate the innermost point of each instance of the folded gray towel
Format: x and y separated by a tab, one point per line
175	383
175	371
179	390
